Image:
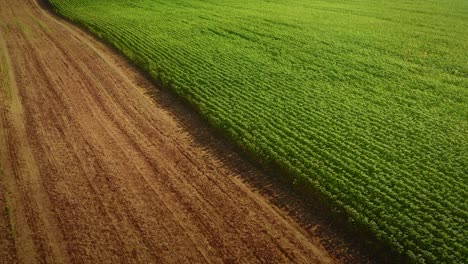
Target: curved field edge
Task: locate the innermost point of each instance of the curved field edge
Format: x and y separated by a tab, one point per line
356	220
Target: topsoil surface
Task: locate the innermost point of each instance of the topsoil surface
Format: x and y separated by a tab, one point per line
99	165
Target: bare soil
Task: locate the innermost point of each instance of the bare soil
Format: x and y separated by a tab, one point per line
99	165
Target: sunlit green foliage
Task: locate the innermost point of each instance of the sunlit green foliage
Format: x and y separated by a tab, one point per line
365	102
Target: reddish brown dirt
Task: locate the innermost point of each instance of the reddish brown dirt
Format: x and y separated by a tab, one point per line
97	166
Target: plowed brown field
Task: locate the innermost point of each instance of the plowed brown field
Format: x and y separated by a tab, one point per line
96	167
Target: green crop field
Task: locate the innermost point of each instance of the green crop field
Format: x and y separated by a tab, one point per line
363	102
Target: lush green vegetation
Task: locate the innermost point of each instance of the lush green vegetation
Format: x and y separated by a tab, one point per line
365	102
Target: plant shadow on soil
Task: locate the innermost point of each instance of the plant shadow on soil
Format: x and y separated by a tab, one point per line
333	233
274	186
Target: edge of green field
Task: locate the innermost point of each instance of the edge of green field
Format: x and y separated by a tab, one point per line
381	249
374	239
